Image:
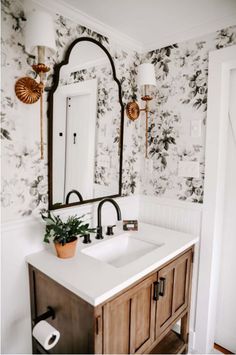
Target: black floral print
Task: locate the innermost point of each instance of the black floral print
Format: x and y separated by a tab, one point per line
180	96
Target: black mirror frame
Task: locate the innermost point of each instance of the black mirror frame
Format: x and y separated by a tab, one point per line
56	77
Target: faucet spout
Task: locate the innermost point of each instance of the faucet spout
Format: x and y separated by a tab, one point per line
99	215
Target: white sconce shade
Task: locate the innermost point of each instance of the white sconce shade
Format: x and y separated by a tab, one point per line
146	74
39	31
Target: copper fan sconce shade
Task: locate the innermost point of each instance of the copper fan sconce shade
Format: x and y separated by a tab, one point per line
28	90
132	110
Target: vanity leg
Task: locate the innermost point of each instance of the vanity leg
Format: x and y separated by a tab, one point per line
184	332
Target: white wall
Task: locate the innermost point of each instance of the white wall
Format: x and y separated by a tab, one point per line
226	307
221	62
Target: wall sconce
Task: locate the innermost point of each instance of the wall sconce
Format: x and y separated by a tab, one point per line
146	79
39	34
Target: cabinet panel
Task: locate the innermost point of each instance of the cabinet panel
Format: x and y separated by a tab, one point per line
181	274
174	290
117	326
129	320
74	317
165	302
142	316
182	283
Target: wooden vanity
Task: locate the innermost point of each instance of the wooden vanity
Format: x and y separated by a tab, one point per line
138	319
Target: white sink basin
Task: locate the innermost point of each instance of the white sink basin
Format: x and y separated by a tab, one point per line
120	251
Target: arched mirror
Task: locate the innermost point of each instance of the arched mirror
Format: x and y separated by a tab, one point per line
85	127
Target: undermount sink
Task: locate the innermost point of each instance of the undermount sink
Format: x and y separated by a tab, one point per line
120	251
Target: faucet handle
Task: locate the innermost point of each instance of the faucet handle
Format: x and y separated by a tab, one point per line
99	233
110	230
87	239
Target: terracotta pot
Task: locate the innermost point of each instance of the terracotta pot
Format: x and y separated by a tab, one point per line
66	251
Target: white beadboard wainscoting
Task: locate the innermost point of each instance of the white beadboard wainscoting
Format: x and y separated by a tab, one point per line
169	213
23	237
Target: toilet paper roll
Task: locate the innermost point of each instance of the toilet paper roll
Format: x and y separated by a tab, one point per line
46	335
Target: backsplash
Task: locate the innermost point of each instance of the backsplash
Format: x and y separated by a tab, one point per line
180	97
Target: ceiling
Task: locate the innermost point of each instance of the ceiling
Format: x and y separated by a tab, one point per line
152	21
155	23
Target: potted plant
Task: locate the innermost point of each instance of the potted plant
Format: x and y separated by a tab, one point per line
64	234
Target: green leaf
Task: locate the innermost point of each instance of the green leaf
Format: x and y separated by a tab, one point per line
64	232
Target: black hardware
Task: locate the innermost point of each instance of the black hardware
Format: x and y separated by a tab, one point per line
73	192
74	135
99	233
98	324
56	78
156	289
50	313
87	239
60	134
162	286
110	230
99	215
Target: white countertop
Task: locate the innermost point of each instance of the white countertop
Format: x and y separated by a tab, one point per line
96	281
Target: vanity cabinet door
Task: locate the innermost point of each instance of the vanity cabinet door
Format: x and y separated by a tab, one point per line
174	288
142	323
129	320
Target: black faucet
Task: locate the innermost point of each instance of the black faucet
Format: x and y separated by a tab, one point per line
73	192
99	214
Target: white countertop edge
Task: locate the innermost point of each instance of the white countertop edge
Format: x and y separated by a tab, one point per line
107	295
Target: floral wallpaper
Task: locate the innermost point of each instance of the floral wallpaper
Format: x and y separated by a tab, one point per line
24	178
179	98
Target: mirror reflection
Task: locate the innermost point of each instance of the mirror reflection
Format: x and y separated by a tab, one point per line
86	128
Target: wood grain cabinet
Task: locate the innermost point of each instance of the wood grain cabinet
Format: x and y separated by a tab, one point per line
129	320
138	320
174	280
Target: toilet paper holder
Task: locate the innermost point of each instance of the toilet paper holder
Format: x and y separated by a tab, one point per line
50	313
